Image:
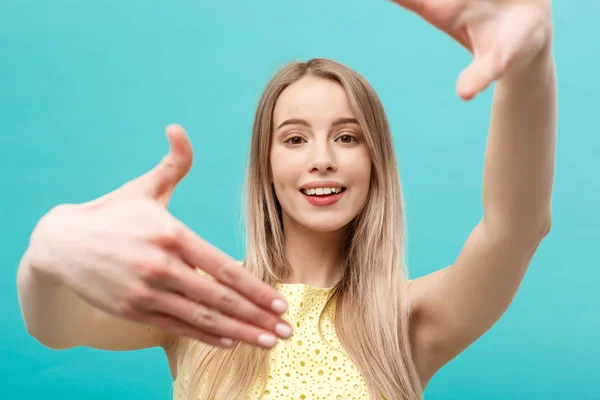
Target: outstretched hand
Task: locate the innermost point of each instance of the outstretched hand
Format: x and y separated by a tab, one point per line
502	35
126	255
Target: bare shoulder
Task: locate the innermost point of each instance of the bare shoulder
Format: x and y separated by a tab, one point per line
430	348
427	349
422	353
175	348
454	306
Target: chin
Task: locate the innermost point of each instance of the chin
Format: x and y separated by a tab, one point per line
324	224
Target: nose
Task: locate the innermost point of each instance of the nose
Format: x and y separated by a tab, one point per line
322	159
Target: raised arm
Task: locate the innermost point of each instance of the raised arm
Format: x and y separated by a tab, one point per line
454	306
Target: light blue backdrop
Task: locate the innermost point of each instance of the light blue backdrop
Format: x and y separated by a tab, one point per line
86	89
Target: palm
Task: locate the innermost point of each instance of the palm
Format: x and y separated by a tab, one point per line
501	34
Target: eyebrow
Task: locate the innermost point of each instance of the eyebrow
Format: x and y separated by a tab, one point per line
303	122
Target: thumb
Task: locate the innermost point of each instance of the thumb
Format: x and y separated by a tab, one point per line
164	177
480	74
160	181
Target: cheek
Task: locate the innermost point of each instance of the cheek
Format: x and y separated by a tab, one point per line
359	171
284	174
363	181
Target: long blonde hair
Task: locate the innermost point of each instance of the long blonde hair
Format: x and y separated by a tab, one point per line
372	310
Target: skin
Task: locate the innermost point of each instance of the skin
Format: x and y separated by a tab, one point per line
510	41
309	145
511	45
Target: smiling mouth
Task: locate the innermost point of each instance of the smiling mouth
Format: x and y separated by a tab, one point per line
323	192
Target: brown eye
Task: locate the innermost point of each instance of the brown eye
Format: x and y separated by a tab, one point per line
295	140
347	139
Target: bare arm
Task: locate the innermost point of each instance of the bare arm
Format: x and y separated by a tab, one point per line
59	319
119	272
456	305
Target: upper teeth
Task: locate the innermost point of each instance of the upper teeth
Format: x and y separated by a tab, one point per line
318	191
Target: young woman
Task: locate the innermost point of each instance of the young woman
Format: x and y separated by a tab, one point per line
324	270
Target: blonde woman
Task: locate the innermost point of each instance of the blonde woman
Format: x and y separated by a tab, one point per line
321	307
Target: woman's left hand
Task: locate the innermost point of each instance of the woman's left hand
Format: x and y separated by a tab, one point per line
502	35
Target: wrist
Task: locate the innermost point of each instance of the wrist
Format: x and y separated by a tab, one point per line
538	69
42	252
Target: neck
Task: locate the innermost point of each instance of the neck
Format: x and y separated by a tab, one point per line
315	257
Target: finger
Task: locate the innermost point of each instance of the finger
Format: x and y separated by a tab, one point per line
481	73
201	254
209	320
224	299
162	179
178	327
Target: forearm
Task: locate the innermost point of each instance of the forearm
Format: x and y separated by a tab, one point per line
520	155
53	308
52	313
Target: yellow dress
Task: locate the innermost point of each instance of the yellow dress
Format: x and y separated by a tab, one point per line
304	366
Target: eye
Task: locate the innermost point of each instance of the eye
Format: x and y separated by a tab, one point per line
346	139
294	140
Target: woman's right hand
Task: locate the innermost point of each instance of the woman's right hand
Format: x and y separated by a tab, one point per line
125	254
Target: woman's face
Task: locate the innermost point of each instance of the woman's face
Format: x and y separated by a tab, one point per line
319	163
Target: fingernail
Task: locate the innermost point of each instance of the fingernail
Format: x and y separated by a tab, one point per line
226	342
283	330
267	340
279	306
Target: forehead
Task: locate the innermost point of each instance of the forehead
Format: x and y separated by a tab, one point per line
312	98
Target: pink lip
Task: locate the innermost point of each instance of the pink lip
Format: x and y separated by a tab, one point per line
323	200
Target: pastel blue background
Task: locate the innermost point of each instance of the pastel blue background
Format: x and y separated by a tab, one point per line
86	89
